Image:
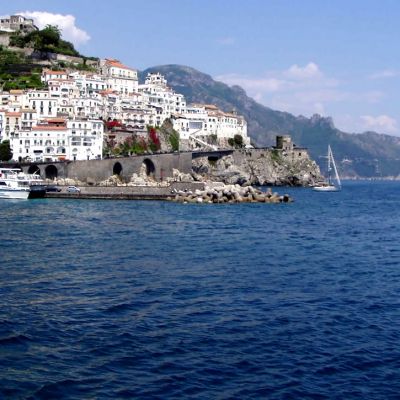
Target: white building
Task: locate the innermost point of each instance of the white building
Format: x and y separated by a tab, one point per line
15	23
48	75
202	123
119	77
65	120
157	95
88	83
85	139
11	124
43	142
42	103
29	118
56	140
2	117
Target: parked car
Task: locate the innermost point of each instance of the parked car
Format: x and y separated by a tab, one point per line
52	189
73	189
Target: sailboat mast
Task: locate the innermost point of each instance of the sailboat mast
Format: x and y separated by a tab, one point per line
329	164
330	158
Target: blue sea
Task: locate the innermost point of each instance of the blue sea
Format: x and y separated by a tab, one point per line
157	300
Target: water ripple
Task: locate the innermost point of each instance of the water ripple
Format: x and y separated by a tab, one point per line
154	300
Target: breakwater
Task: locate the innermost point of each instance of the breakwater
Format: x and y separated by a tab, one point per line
182	192
230	194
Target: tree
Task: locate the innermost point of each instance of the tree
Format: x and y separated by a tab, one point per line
50	36
238	140
174	140
154	141
5	151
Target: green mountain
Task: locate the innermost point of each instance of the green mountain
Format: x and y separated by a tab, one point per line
368	154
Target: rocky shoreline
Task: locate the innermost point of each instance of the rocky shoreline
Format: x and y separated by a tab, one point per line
181	192
230	194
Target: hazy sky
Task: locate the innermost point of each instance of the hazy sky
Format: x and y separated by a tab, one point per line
336	58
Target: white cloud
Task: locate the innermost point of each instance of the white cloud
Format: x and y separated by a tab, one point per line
310	71
66	24
387	73
297	89
306	90
260	85
381	123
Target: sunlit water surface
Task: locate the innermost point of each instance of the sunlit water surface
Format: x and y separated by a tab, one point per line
125	299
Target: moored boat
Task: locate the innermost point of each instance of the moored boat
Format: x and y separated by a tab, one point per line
13	186
332	184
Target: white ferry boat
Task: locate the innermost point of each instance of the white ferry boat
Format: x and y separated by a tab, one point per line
13	184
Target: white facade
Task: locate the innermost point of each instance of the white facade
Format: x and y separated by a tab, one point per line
11	124
119	77
88	83
157	95
41	143
209	124
65	120
42	103
2	116
85	139
58	140
48	74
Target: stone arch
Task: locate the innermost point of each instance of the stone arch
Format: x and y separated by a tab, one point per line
34	169
149	167
51	172
117	168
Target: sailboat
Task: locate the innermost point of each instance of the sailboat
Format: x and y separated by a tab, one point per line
333	185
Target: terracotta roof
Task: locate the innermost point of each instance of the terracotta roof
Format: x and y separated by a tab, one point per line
210	107
16	91
48	72
108	91
55	120
117	63
48	128
13	114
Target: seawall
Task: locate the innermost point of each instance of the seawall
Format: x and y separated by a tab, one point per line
128	192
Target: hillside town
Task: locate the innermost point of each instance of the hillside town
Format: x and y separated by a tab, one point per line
78	113
68	119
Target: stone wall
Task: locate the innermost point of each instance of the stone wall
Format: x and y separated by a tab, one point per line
159	166
245	167
4	38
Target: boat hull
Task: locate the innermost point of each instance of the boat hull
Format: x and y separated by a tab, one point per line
37	191
326	189
14	194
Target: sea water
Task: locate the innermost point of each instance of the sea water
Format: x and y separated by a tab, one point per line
157	300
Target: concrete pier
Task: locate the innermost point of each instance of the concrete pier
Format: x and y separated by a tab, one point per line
127	192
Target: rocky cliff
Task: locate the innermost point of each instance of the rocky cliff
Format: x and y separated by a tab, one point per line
259	167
